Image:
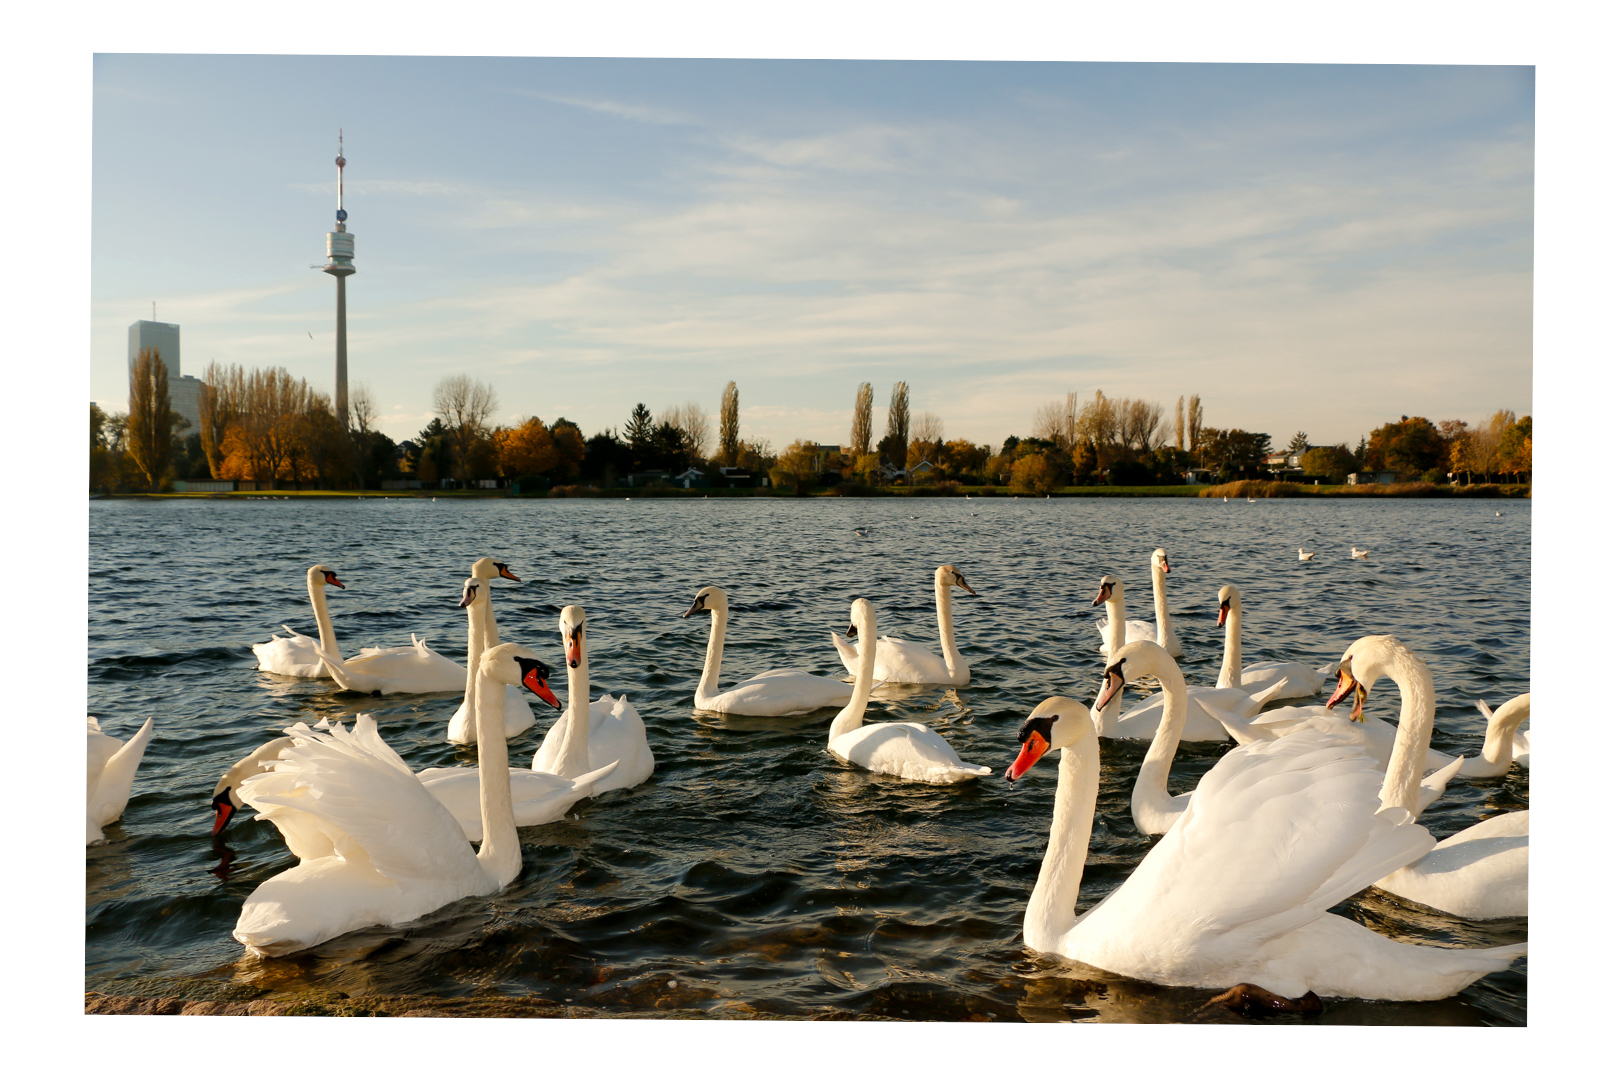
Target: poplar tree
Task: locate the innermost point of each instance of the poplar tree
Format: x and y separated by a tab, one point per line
151	418
894	443
1195	424
728	425
1181	426
860	432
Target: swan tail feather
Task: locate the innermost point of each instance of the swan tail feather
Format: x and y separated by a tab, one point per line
1484	709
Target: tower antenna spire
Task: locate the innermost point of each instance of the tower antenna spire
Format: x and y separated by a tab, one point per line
340	264
340	164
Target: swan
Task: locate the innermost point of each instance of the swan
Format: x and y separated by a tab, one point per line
903	662
1112	594
401	669
1152	807
1306	556
910	750
374	847
1504	742
1358	553
1482	872
1238	890
109	773
296	655
481	635
227	798
778	692
1298	680
1209	713
1115	628
612	730
1135	629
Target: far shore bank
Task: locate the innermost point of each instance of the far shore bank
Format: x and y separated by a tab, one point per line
1242	489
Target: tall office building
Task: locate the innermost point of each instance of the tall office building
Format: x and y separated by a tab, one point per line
340	264
183	389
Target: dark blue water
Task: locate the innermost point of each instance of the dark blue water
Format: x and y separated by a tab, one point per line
753	871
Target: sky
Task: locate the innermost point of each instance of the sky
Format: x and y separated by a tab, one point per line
1317	248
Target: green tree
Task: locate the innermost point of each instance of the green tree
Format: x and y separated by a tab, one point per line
1299	443
798	467
1333	463
1084	460
895	442
152	420
1037	473
1413	445
728	425
860	429
639	429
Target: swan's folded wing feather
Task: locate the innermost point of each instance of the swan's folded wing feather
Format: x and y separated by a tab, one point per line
778	673
1275	834
363	802
112	789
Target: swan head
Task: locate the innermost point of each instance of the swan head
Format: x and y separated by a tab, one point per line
321	574
514	665
572	625
487	568
1231	600
472	592
1057	721
1135	660
709	598
226	801
1109	589
1161	561
1363	664
949	575
862	619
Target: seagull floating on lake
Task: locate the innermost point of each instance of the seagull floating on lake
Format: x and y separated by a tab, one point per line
1306	556
1357	553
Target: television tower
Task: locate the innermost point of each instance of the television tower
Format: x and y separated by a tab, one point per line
340	264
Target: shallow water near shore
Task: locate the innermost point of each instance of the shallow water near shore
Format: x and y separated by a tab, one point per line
753	875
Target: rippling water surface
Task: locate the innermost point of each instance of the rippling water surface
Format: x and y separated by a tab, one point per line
754	875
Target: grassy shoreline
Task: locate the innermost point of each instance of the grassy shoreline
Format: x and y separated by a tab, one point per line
1242	489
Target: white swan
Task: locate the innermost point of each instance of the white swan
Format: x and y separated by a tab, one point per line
903	662
1298	680
1306	556
1153	809
109	773
1210	710
375	848
1112	594
1162	629
1238	890
400	669
778	692
910	750
227	797
296	655
482	634
1504	743
1482	872
612	730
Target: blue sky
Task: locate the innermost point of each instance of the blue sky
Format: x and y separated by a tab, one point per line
1307	247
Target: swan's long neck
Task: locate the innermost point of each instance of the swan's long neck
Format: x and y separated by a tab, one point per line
1107	720
853	715
1050	914
476	644
947	629
1152	790
709	683
575	759
1411	750
492	636
1161	612
499	854
1504	724
1232	659
317	600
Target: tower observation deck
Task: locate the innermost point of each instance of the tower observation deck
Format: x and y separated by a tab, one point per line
340	264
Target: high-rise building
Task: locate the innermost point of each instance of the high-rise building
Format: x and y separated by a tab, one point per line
340	264
164	339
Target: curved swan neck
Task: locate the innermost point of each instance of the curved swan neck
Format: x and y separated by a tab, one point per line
947	629
1411	749
499	854
575	759
1232	659
317	600
1050	913
709	682
1504	724
853	715
1152	790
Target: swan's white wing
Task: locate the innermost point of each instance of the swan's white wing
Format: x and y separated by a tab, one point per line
352	789
910	750
1275	834
782	694
777	673
906	662
106	801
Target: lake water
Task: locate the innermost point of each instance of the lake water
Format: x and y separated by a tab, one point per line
753	872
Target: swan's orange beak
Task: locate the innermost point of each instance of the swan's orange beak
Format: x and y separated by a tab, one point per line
1113	683
575	647
537	683
1103	593
331	579
506	573
1226	606
962	581
1035	739
1346	686
223	809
